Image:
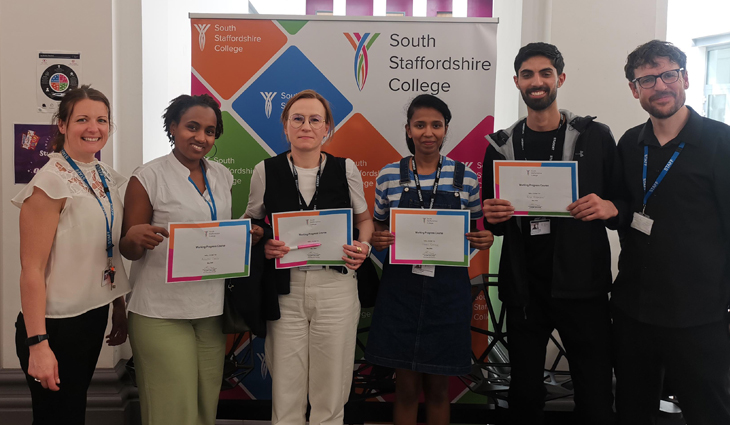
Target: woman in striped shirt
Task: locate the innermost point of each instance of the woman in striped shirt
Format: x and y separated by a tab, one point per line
421	322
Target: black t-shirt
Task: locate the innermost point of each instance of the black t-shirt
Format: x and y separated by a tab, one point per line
539	249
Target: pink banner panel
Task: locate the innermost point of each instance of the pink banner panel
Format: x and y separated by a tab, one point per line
399	6
314	5
359	7
435	6
479	8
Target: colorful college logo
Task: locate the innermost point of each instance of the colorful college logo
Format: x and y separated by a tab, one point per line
268	96
202	28
361	44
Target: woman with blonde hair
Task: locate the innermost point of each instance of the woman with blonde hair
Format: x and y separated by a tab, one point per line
310	349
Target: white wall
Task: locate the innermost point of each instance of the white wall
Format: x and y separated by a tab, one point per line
24	31
509	40
689	20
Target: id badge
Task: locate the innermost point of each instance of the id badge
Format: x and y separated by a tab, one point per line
310	268
106	278
540	226
642	223
428	270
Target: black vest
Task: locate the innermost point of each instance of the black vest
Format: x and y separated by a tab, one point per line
281	195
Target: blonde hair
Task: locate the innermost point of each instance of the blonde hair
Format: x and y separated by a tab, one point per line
311	94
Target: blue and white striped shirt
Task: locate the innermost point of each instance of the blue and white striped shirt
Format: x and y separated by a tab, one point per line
388	189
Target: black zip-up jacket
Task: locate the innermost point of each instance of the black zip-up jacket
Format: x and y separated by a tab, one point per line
582	255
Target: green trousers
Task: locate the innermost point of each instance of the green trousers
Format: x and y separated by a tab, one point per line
179	367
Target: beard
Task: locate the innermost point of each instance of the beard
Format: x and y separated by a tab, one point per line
668	110
542	103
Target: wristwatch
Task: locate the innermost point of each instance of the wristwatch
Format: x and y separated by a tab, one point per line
370	247
36	339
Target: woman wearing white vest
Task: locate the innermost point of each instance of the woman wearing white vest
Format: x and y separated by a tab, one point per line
310	349
176	329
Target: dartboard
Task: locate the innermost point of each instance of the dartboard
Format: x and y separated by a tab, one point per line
57	79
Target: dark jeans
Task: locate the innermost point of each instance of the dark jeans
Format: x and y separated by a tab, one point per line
584	328
694	361
76	342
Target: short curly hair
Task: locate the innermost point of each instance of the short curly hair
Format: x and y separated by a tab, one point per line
179	105
647	53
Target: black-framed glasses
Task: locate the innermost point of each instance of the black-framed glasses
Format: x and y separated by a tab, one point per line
315	121
649	81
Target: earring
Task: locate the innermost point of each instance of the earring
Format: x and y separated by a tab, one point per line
214	153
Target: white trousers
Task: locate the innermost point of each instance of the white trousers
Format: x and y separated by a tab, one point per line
311	348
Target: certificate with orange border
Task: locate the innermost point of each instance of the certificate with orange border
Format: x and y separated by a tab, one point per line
208	250
330	228
537	188
430	237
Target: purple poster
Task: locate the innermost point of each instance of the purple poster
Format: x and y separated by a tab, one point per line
32	146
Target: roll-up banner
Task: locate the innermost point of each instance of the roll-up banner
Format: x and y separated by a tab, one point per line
369	69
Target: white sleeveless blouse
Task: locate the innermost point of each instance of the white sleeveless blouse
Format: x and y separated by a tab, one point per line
78	255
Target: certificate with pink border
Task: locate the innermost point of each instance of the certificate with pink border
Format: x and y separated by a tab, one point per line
537	188
208	250
430	237
330	228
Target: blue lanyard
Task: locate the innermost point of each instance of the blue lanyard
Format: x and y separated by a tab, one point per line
211	204
659	179
109	226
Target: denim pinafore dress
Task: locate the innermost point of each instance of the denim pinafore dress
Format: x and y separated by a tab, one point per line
423	323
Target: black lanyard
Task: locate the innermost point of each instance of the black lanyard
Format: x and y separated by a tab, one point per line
109	225
295	174
435	183
555	139
211	205
659	179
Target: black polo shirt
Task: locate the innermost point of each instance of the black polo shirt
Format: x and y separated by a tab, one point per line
679	276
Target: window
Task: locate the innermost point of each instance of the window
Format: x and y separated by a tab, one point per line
717	87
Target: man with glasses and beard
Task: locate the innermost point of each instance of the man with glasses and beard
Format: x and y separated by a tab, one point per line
670	298
556	273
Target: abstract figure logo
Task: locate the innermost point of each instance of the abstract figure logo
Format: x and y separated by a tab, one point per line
202	28
361	44
268	96
264	368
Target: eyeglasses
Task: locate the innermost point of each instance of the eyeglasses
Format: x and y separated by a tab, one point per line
649	81
315	121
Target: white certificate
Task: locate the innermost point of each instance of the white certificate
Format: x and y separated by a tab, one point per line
537	188
208	250
430	237
331	229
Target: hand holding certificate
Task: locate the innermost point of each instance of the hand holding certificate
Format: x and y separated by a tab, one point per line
430	237
537	188
208	250
328	229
